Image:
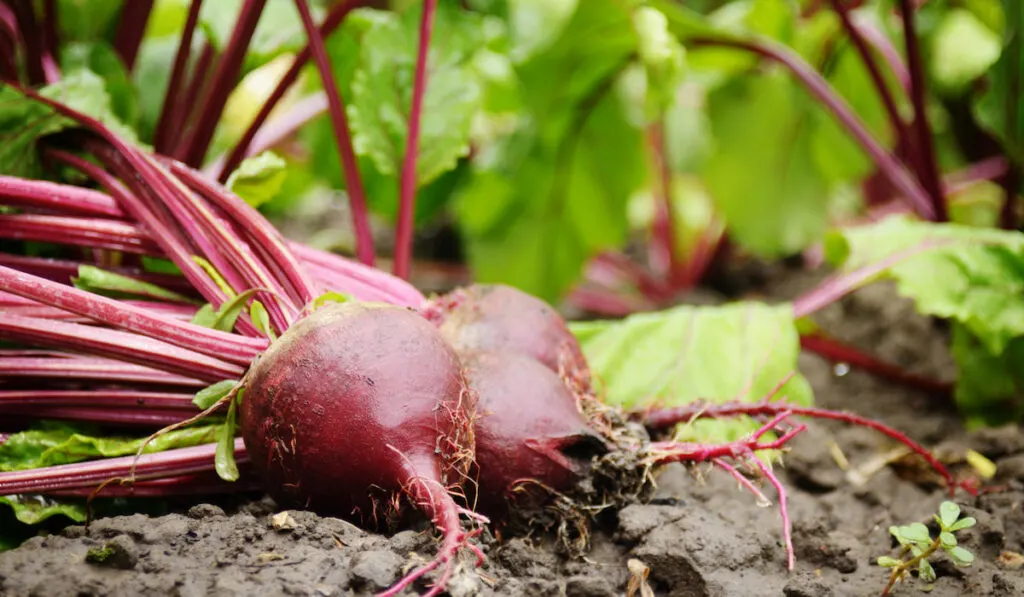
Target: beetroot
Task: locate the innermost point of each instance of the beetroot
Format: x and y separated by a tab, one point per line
502	318
530	434
360	407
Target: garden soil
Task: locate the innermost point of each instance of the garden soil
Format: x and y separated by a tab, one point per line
700	536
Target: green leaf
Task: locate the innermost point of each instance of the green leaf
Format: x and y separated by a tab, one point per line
948	513
382	89
534	215
34	509
914	533
52	444
86	92
224	459
150	76
947	540
961	557
835	153
963	49
988	387
258	179
977	204
675	357
100	281
22	122
762	174
261	319
87	20
208	396
1000	108
925	571
888	562
99	57
972	275
331	297
963	523
224	318
537	24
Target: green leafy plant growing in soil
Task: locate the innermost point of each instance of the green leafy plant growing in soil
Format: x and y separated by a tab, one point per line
917	546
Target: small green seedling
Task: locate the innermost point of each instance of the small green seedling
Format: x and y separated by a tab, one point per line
917	545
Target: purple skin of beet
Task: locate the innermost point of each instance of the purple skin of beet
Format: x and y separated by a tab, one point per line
357	396
529	432
502	318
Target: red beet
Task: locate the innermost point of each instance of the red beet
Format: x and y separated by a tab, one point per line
356	406
530	433
501	318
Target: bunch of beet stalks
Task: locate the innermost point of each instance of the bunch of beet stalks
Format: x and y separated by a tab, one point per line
454	407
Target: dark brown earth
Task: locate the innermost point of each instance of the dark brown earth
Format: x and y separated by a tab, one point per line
698	538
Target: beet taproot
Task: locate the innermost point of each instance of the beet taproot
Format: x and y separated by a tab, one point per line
357	409
496	317
531	436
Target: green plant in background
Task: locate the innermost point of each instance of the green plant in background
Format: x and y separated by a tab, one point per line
917	545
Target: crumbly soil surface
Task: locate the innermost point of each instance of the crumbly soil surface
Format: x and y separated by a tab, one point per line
701	535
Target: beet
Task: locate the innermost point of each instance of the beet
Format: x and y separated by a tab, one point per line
358	408
530	434
505	319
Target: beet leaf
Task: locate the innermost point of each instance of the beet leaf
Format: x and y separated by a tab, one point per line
684	354
972	276
50	444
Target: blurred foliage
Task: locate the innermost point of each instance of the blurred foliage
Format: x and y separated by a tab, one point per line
536	132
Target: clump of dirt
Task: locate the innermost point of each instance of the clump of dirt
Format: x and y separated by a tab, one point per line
699	534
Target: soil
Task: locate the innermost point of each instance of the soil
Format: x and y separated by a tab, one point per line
700	536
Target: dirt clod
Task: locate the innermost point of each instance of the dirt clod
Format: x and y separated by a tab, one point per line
120	552
375	569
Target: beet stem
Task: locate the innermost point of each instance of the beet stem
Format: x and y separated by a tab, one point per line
147	417
224	79
171	111
267	239
401	292
231	348
343	138
118	345
861	45
839	285
22	192
173	245
928	169
334	18
65	366
664	257
187	106
130	30
838	352
97	398
80	475
8	44
409	180
91	233
31	39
